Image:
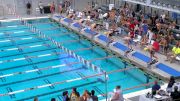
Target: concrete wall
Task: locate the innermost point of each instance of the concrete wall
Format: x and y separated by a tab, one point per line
21	5
5	4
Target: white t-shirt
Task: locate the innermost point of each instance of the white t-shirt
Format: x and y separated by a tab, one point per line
150	34
89	99
119	92
163	16
105	15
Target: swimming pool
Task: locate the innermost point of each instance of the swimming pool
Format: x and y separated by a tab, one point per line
23	51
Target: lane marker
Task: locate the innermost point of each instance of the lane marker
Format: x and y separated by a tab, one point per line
73	80
6	75
26	38
44	55
35	46
34	70
5	41
19	91
59	66
11	26
19	32
18	59
12	49
44	86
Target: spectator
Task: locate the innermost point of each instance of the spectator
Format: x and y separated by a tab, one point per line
175	52
176	94
165	44
143	41
117	94
155	45
155	88
35	99
65	96
89	7
41	7
28	6
52	8
170	84
132	26
149	35
84	96
74	96
145	28
93	96
60	8
53	99
89	98
152	50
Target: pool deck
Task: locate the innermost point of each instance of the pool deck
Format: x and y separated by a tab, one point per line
161	57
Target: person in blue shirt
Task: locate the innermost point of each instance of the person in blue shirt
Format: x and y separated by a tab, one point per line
145	28
65	96
155	87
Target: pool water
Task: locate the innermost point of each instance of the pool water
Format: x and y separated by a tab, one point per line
22	50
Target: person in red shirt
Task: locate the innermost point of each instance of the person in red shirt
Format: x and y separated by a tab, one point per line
152	50
131	33
155	46
132	26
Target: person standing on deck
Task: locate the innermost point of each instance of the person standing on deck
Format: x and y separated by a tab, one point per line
41	7
28	6
52	8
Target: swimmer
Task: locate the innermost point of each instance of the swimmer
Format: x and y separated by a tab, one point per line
152	53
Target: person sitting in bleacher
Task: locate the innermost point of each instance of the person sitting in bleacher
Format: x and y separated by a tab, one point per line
143	41
175	52
164	42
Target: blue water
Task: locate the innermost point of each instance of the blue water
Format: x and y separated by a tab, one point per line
34	46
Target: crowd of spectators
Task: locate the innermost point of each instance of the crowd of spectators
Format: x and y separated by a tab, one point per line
116	95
